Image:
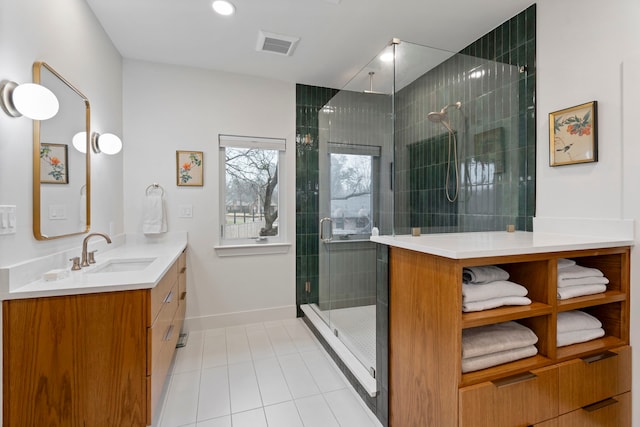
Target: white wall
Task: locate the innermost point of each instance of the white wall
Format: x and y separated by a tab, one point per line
582	45
66	35
169	108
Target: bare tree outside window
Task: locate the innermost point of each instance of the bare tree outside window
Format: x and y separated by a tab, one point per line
251	195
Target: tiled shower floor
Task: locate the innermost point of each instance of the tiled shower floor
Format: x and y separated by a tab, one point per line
356	329
272	374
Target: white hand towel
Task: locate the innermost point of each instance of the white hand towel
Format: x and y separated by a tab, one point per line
494	338
564	262
581	290
153	220
500	288
578	271
483	274
583	281
574	337
576	320
494	359
494	303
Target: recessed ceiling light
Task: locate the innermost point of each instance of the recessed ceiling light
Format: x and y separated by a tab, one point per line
223	7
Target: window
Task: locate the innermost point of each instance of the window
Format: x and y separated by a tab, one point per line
353	184
251	203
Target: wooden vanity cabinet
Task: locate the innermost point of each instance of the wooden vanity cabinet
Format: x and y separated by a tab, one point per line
578	385
91	359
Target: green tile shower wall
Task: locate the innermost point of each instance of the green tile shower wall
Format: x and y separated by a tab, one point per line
309	101
500	104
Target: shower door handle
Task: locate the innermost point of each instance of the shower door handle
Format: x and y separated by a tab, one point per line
322	237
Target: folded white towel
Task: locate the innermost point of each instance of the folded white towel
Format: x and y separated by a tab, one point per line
495	338
153	217
494	359
499	288
578	271
564	262
583	281
576	320
494	303
581	290
574	337
483	274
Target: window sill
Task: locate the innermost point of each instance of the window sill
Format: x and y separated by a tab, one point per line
252	249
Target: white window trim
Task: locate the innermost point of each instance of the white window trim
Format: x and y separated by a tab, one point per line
271	245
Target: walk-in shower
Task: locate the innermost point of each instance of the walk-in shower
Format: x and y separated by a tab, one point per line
443	118
428	140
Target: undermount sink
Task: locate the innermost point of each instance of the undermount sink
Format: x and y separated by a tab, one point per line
123	265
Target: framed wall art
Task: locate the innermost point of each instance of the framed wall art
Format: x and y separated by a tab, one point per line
189	167
54	164
573	135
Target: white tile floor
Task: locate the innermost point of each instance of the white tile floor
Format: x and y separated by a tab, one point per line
273	374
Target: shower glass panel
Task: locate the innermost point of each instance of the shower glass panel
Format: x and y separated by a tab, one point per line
429	139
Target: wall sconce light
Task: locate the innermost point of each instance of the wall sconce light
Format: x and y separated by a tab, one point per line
106	143
79	142
30	100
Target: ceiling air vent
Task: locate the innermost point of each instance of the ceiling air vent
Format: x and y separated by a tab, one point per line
276	43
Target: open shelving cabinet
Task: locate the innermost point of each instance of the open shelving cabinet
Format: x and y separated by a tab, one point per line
427	386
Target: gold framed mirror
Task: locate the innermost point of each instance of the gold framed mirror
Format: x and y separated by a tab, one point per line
61	172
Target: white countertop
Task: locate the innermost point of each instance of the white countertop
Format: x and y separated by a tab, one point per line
496	243
163	251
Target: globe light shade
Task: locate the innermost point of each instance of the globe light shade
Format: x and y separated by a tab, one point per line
79	142
108	143
35	101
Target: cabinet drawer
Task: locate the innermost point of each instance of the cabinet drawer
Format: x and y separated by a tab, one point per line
161	290
162	329
611	412
163	361
523	399
584	381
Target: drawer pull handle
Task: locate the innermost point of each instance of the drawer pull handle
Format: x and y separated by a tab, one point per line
599	405
167	336
183	296
183	270
598	357
169	297
514	379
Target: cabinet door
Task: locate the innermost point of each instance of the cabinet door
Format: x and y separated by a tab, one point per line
518	400
612	412
75	360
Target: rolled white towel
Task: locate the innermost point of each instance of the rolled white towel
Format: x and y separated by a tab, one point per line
494	338
574	337
483	274
494	359
564	262
494	303
578	271
583	281
576	320
499	288
579	291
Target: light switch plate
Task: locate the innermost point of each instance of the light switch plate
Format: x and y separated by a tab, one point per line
185	211
8	219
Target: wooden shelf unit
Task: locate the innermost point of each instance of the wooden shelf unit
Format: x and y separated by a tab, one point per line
426	385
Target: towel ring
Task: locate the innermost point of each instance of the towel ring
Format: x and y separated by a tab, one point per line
154	186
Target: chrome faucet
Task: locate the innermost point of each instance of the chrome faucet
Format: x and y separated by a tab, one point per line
85	261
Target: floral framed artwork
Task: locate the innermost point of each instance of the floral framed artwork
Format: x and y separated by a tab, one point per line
54	164
189	166
573	135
